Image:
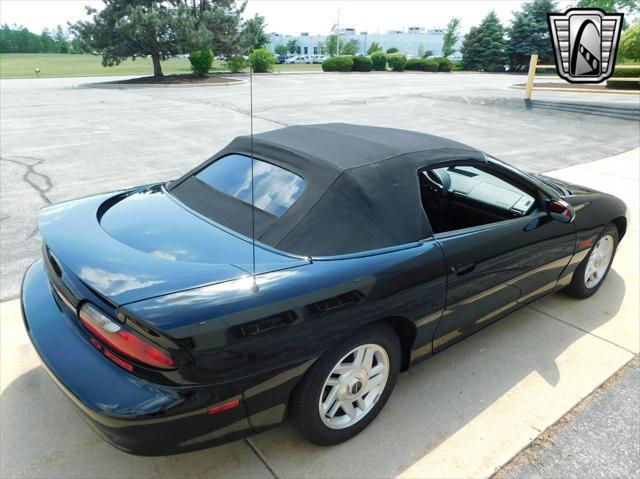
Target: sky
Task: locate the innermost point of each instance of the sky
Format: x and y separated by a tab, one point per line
295	16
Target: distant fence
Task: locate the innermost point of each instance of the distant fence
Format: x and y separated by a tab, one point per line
533	67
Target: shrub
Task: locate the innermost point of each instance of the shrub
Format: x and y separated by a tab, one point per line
236	64
261	60
444	64
392	50
397	61
457	67
624	73
422	64
338	64
379	60
362	63
201	61
630	44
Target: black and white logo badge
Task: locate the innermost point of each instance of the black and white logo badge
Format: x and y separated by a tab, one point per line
585	42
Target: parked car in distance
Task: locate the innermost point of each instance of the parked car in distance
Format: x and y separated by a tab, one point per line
281	58
318	58
299	59
295	274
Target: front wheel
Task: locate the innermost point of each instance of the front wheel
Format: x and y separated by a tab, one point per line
589	276
347	387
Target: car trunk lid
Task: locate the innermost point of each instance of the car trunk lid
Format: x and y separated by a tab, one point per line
142	243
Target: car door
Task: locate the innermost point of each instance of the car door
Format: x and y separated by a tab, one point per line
495	267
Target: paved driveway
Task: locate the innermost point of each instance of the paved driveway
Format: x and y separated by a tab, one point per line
60	141
462	413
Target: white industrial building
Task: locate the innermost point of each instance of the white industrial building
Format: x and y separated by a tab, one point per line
412	42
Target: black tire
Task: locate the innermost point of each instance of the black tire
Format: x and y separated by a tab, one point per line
305	401
578	287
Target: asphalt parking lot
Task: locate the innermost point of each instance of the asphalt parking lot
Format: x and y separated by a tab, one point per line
60	140
464	413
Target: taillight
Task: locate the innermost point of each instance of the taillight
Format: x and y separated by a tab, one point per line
122	340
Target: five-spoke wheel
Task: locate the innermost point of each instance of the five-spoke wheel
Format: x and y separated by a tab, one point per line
354	386
346	388
590	274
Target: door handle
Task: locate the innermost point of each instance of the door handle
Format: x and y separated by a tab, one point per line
463	268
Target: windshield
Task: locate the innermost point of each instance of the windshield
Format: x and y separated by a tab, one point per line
275	189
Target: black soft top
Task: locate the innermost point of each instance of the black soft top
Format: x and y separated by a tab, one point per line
361	187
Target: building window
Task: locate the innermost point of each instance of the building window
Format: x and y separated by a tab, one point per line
298	50
306	50
315	50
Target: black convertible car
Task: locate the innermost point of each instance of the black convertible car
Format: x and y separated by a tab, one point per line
374	248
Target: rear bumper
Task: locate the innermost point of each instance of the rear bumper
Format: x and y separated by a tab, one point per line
134	415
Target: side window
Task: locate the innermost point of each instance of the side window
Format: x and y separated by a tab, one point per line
457	197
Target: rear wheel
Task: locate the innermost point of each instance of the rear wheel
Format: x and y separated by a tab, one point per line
594	268
347	387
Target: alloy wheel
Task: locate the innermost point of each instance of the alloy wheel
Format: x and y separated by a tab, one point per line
599	260
354	386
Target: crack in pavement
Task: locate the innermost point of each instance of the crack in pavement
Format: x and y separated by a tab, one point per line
217	104
30	170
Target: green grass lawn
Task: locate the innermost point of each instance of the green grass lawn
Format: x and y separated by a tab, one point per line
23	65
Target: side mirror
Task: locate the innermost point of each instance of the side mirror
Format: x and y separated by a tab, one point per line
561	211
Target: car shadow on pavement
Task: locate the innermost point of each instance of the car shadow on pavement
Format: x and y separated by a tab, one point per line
42	435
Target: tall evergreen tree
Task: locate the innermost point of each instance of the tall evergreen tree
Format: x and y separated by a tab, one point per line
529	33
484	47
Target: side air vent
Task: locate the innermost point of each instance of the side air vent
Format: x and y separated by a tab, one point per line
337	302
265	324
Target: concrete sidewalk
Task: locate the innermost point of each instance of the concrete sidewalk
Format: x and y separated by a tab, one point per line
463	413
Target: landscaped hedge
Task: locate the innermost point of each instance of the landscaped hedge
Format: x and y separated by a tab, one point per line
444	64
201	61
397	61
362	63
422	64
338	64
379	60
625	73
261	60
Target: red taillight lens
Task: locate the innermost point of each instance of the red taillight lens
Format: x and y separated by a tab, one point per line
122	340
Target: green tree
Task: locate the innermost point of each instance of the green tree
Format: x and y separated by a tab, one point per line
49	44
349	48
135	28
392	50
529	33
252	34
61	37
628	7
451	36
292	46
332	41
484	46
427	54
281	49
217	24
629	48
374	47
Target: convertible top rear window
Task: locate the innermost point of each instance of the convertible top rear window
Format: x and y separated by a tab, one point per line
275	189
